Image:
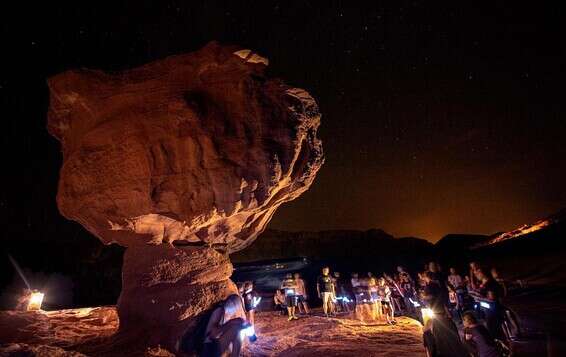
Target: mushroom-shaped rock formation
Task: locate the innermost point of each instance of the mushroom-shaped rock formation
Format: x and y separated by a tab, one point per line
183	161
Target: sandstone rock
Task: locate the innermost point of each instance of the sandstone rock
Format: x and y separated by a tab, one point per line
183	161
197	148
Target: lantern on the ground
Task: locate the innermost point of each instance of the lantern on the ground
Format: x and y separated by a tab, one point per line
35	300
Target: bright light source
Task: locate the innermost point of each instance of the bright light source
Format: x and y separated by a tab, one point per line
290	292
428	314
35	300
248	331
485	305
256	301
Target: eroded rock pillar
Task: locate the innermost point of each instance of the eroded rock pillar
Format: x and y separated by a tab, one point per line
165	287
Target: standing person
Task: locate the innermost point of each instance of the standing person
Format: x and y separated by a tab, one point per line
432	294
396	293
223	329
402	273
290	286
341	293
495	275
487	283
478	338
359	292
250	298
325	289
409	293
373	292
472	276
301	293
385	297
456	286
439	278
494	316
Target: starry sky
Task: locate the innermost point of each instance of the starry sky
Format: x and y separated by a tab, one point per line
438	117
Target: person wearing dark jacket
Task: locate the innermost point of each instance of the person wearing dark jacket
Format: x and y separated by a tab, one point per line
441	338
478	338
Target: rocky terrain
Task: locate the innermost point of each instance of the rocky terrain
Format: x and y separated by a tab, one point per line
89	332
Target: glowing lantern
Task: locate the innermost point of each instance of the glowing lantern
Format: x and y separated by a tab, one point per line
428	314
35	300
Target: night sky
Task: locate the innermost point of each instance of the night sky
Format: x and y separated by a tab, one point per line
438	117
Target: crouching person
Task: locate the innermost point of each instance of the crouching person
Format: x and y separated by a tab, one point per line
222	334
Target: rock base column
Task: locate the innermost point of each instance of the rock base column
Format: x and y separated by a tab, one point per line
165	288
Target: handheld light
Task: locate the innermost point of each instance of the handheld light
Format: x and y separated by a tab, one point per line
256	301
428	314
248	331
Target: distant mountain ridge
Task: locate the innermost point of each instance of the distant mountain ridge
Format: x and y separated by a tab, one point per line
526	229
363	247
375	244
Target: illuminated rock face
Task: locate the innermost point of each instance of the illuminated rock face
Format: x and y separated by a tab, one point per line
183	161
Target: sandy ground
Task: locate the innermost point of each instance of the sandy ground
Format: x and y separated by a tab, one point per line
320	336
65	333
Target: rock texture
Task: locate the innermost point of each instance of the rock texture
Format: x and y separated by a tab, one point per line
182	161
195	148
74	333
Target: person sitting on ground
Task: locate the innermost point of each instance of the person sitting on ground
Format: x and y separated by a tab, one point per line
477	337
250	297
222	334
290	287
325	289
384	293
279	301
301	294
